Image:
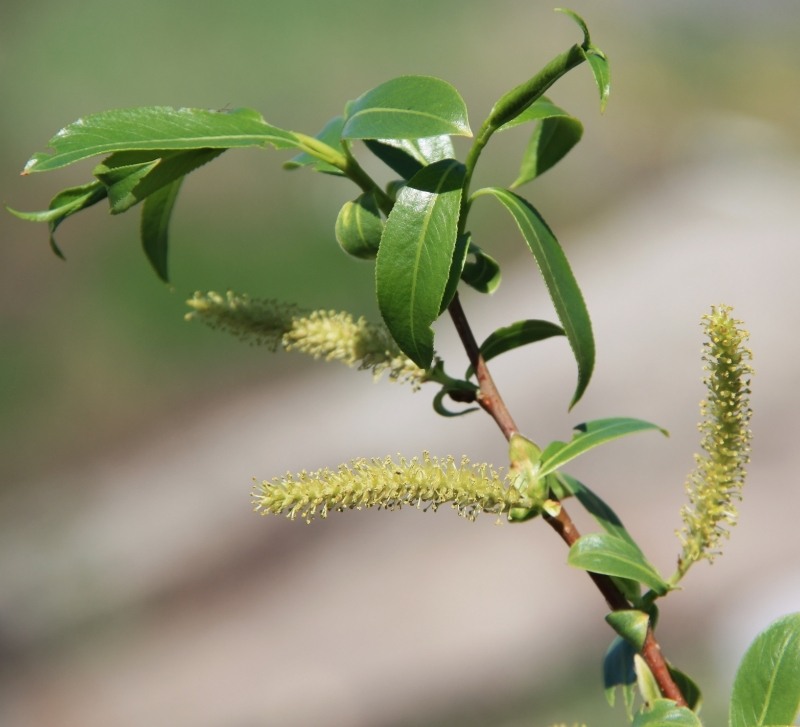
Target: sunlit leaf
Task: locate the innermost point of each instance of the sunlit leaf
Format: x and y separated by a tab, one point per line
158	127
665	713
610	555
408	107
416	254
408	156
766	690
561	284
590	435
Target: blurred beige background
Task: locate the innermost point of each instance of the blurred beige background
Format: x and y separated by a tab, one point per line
136	585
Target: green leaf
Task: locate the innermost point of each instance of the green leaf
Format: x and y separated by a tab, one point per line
156	213
665	713
596	507
131	177
590	435
648	686
158	127
766	690
65	203
408	107
517	334
561	283
601	70
631	625
610	555
482	273
331	134
442	410
689	688
618	672
408	156
542	108
359	227
549	144
416	254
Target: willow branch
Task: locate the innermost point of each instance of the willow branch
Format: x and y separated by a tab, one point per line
490	401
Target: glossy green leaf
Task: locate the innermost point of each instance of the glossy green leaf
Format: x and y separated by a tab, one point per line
359	227
766	690
665	713
131	177
158	127
65	203
408	156
331	134
154	229
483	272
549	144
610	555
542	108
601	70
590	435
631	625
416	254
408	107
517	334
561	284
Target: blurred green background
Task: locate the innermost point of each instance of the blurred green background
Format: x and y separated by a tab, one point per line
94	352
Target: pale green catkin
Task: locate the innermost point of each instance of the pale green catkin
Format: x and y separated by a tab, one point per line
388	484
715	485
329	335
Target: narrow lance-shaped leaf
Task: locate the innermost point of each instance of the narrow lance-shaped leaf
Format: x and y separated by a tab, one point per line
408	107
156	214
65	203
132	176
590	435
766	690
561	284
517	334
416	254
158	127
610	555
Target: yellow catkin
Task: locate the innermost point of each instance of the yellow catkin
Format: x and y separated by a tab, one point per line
715	485
425	482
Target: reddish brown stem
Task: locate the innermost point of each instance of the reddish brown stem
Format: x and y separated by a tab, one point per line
490	400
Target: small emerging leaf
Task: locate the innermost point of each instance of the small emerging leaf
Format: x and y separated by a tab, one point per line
602	73
631	624
482	273
359	227
551	141
408	107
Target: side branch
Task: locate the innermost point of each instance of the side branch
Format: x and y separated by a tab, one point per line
490	400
